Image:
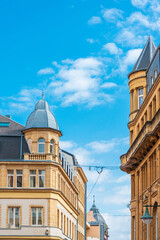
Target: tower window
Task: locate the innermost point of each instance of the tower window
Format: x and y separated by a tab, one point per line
41	145
51	146
155	74
140	97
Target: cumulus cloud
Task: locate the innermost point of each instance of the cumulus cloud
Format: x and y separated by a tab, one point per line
94	20
129	59
112	48
67	145
120	195
105	146
112	14
79	82
139	3
109	85
119	225
45	71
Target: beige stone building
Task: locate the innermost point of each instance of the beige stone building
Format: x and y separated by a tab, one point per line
142	161
96	228
42	187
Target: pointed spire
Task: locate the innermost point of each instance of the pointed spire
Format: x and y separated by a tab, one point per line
42	94
94	200
145	56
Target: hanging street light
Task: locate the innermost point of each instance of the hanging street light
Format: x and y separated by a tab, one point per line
147	218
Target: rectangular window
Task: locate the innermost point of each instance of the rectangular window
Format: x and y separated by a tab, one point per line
13	217
140	97
19	177
37	216
10	178
41	178
4	124
32	178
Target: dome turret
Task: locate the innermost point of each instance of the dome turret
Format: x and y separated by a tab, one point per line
42	117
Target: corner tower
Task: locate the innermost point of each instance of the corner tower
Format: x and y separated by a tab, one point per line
138	83
42	133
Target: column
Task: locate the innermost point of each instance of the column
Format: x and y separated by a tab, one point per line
136	99
131	101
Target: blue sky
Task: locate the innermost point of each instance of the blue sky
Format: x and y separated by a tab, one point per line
79	52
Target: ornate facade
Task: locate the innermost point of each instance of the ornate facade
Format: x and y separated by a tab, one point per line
142	161
42	187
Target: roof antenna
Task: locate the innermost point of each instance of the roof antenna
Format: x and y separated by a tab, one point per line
94	200
42	94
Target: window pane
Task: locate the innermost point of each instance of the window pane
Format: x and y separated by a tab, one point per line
39	216
41	181
32	181
33	216
19	172
140	92
19	181
41	172
41	140
17	217
9	171
41	148
140	101
33	172
10	181
11	211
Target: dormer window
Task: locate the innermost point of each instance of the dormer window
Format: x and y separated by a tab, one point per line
51	146
140	97
155	74
41	145
4	124
152	80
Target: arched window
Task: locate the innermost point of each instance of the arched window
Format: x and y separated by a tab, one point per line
51	146
30	144
41	145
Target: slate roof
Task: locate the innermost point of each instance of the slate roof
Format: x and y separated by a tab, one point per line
42	117
145	56
12	141
97	216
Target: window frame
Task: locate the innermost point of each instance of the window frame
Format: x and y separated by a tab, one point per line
37	208
19	175
52	146
10	175
32	175
41	143
41	175
139	97
14	217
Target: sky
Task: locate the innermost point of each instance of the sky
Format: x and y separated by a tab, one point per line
79	52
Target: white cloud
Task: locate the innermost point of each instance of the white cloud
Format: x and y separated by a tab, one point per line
120	195
130	59
94	20
109	85
83	156
119	225
79	82
104	146
112	48
125	178
45	71
66	145
91	40
139	3
112	14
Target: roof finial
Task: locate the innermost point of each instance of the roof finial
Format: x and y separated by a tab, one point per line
42	94
94	200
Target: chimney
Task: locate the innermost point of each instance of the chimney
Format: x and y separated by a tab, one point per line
8	116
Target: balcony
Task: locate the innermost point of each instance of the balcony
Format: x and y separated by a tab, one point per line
145	140
40	156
